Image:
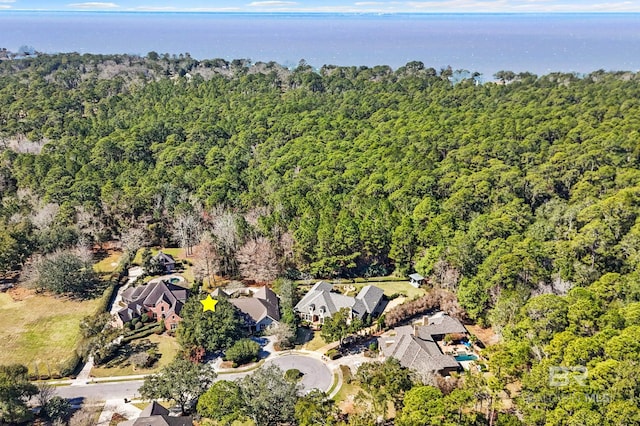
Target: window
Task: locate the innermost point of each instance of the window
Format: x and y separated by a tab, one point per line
174	326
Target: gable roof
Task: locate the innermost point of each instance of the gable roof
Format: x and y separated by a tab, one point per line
150	295
219	292
164	257
370	297
321	295
154	409
264	303
155	414
420	353
442	323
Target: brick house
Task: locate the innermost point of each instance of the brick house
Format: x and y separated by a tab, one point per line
162	300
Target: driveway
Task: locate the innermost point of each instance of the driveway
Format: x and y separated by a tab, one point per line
316	373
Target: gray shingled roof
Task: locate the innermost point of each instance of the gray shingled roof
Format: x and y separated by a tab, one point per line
415	347
264	303
164	258
155	414
137	298
219	292
370	296
441	323
154	409
416	277
321	295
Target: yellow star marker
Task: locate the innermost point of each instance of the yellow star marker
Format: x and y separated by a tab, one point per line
209	304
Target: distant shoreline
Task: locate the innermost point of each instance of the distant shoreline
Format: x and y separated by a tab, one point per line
539	43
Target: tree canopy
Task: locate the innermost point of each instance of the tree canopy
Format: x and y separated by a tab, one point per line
521	196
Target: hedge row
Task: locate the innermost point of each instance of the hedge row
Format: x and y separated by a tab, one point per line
142	329
106	298
144	333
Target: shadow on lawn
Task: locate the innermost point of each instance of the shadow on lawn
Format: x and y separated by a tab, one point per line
122	357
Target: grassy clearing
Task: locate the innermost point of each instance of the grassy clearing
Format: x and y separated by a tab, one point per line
347	392
397	287
165	345
109	263
390	286
40	331
315	343
177	254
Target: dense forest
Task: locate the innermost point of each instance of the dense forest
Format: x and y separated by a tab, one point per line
521	195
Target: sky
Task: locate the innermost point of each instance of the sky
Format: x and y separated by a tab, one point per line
348	6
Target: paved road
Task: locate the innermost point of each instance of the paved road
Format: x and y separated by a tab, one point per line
316	374
101	391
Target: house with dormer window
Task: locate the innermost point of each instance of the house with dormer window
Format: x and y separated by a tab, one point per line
322	302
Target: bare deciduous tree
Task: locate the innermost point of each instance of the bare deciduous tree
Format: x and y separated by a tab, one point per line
257	260
45	393
86	415
286	247
187	229
253	215
445	275
206	259
43	216
224	229
284	334
89	224
132	239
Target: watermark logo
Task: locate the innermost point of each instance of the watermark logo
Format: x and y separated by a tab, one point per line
571	386
562	377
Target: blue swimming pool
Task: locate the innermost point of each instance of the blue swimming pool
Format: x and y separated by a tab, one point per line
466	357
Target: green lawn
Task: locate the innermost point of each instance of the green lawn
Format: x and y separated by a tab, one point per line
303	342
40	331
165	345
177	254
109	263
388	284
396	287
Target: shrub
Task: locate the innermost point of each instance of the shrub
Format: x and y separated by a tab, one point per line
145	317
135	321
144	332
106	298
293	375
70	365
346	373
57	408
243	351
333	354
140	359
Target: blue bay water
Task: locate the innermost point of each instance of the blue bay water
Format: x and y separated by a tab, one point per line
539	43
